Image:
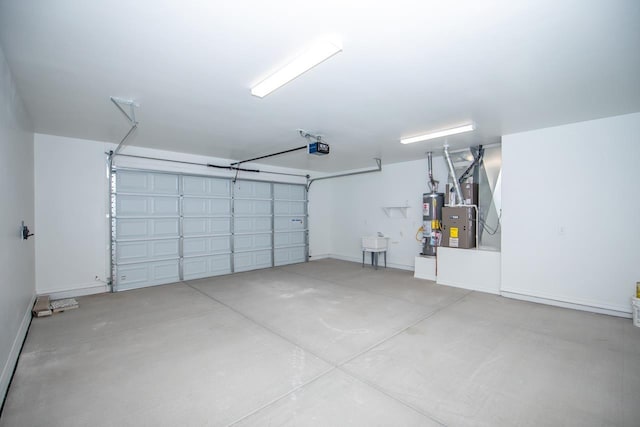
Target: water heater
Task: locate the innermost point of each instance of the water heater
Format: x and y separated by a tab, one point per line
431	222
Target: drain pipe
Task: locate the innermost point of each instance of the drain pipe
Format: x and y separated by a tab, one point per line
452	172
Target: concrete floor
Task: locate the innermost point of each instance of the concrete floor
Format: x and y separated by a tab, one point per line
325	343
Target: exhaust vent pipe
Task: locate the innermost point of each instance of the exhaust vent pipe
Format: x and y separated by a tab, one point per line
452	172
433	184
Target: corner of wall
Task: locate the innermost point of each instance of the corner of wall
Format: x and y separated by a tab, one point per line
17	282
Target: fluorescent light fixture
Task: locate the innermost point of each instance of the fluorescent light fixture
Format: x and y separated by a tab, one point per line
318	53
438	134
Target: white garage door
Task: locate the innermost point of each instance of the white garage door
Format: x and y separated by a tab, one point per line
206	227
252	225
289	223
147	229
170	227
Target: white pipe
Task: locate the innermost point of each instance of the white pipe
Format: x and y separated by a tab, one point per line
452	172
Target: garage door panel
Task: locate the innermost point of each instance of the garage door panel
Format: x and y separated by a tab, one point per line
147	183
245	261
206	245
286	256
252	241
205	207
252	190
247	225
132	276
203	186
281	239
127	252
137	205
288	208
289	192
289	223
205	226
207	266
147	228
252	207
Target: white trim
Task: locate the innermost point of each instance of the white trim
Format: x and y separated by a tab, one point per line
556	301
21	335
317	257
493	291
88	289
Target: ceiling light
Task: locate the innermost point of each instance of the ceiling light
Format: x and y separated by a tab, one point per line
307	60
438	134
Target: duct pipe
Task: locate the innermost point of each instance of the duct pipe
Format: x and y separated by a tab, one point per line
452	172
433	184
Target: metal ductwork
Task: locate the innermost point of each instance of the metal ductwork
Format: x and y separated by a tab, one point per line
452	172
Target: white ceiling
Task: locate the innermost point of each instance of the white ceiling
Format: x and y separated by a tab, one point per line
406	68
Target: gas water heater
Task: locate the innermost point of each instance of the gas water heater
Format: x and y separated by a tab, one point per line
431	214
431	222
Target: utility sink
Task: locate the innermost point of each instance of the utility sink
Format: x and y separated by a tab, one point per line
375	242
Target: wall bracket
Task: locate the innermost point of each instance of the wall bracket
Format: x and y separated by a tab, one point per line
121	104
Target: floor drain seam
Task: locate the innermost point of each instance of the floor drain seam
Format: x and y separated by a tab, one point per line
391	396
284	395
333	366
395	334
263	326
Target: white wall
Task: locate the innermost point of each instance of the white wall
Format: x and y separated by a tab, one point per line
320	218
71	208
570	213
357	210
17	283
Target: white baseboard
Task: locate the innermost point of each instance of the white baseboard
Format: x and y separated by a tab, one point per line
318	256
88	289
468	287
576	305
368	260
10	364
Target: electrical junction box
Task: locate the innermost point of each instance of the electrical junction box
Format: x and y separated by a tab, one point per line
459	227
319	148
